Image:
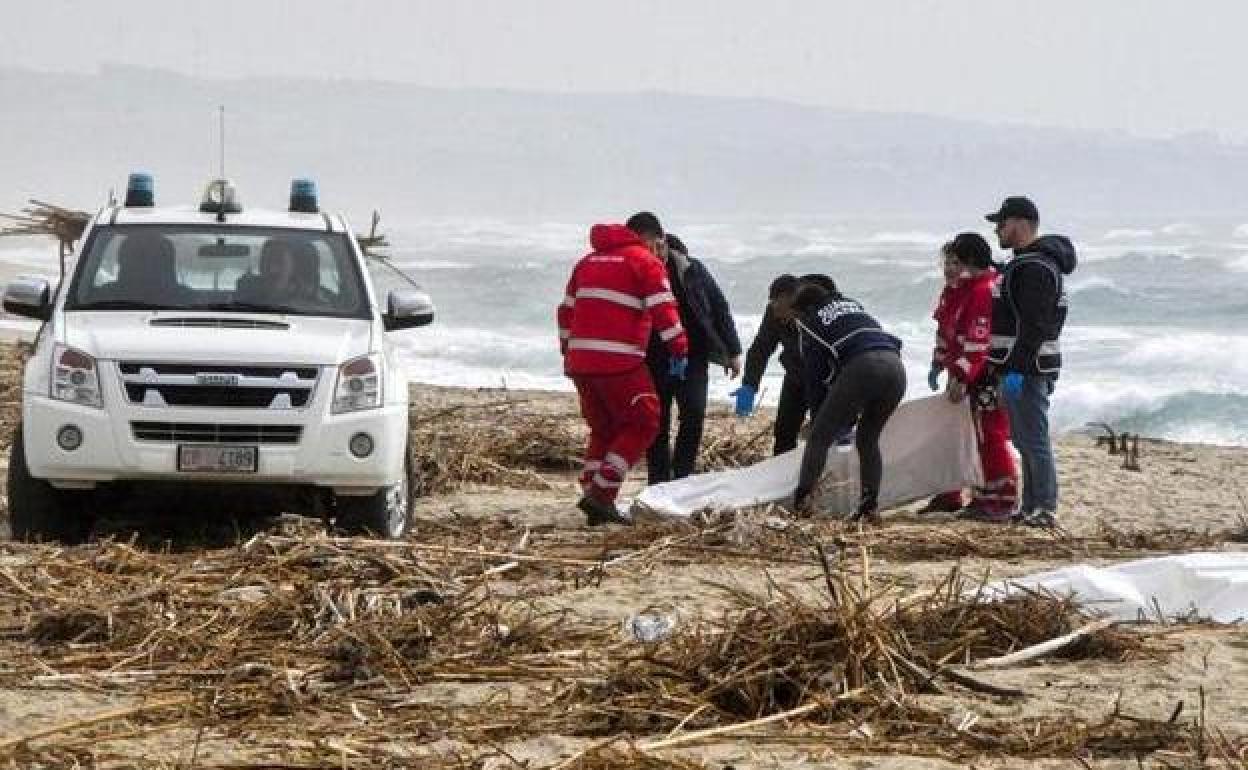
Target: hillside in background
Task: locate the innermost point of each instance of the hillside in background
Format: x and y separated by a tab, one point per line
424	152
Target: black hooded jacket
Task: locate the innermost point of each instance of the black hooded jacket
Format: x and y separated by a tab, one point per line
704	312
1029	307
772	333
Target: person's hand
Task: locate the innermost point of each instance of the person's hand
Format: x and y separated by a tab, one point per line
1012	385
733	367
745	396
956	390
678	367
933	377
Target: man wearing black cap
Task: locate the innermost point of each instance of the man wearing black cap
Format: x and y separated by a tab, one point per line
707	320
1028	313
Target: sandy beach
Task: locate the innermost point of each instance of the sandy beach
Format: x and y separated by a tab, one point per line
499	525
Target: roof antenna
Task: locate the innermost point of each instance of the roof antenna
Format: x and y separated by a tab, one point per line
221	114
221	179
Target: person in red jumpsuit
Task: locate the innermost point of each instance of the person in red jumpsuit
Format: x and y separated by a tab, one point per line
947	306
616	296
964	331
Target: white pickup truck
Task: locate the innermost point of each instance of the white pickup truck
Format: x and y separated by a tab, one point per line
213	345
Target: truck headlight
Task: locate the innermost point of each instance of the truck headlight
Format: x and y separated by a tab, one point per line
359	385
75	377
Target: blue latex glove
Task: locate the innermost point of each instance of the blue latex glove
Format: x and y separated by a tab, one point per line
933	377
1012	384
745	396
678	367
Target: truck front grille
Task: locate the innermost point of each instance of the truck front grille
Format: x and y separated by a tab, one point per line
196	395
213	433
218	385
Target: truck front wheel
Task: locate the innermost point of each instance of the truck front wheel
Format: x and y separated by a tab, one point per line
40	512
386	513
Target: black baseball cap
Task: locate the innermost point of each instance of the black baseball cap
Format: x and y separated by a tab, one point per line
1015	207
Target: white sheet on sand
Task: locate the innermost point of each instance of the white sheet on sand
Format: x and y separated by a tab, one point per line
929	446
1210	585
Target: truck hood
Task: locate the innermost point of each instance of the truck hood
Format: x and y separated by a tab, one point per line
180	337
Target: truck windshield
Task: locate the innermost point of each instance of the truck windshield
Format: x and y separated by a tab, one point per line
223	269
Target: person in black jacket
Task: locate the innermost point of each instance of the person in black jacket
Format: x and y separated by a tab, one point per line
853	374
773	333
707	319
1028	312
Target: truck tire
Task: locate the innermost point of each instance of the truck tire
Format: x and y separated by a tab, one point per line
384	514
40	512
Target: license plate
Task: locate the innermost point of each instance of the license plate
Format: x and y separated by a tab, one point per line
217	459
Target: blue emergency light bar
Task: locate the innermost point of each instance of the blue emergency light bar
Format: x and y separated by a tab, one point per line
140	190
303	196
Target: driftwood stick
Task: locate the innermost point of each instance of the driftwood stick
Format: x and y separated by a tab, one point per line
1044	648
978	685
715	732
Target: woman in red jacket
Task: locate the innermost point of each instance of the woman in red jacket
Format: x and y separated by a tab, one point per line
964	320
945	315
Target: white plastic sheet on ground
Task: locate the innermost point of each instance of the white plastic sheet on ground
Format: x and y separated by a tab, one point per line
929	446
1210	585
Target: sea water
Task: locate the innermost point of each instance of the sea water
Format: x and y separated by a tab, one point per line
1156	343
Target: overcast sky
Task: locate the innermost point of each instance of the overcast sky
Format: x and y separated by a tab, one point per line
1153	67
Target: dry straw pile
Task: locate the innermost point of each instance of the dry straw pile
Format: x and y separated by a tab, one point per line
313	648
446	651
40	218
512	441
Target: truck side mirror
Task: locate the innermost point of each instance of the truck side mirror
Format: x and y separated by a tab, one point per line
407	309
29	298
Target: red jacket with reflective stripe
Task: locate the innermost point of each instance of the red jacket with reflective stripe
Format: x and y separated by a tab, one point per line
617	294
964	327
946	317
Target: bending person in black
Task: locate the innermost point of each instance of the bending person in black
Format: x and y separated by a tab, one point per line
852	370
776	333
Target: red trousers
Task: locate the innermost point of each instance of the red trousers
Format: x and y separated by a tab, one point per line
1000	491
622	411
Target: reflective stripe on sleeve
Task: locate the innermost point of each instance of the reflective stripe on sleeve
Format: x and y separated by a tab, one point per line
671	333
610	295
659	298
605	346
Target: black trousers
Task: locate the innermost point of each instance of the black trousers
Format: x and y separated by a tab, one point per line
867	391
666	461
790	413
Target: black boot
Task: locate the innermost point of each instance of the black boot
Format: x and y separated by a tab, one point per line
801	503
868	509
599	512
940	504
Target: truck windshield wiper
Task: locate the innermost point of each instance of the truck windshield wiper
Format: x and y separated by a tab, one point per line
248	307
